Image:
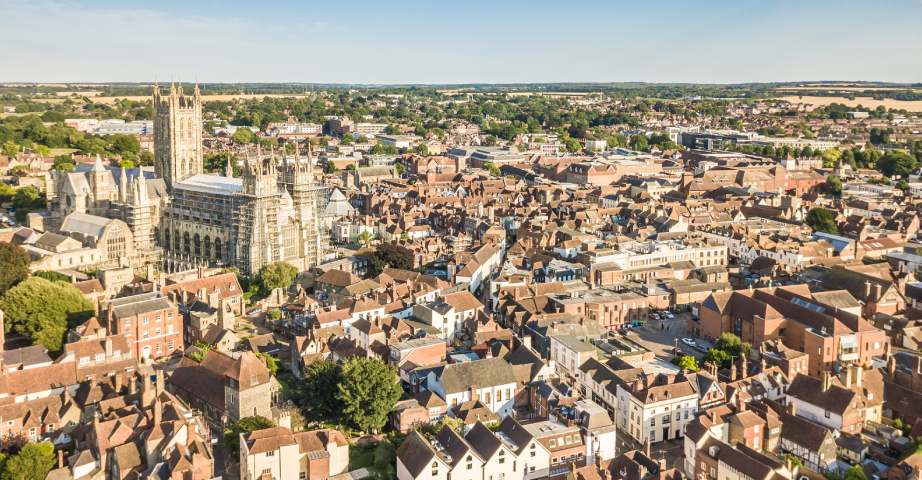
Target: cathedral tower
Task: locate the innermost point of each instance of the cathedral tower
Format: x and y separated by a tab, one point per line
177	134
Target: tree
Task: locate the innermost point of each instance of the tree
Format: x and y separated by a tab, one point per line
490	140
318	397
365	237
33	462
572	144
14	266
52	276
10	149
687	362
422	149
217	163
382	149
834	184
639	142
146	158
277	275
492	168
822	220
831	157
897	163
63	163
27	199
368	392
231	440
243	136
389	255
127	146
43	310
726	349
271	362
855	473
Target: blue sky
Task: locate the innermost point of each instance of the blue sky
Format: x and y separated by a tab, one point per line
443	41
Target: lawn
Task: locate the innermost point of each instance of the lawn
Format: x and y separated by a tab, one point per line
62	151
378	458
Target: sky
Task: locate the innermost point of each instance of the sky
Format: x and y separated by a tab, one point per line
445	41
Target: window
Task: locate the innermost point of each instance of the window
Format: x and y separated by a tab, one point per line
302	475
144	320
270	453
267	471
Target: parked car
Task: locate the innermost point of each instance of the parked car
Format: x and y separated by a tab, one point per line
689	341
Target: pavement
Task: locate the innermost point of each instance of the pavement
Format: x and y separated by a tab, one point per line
663	336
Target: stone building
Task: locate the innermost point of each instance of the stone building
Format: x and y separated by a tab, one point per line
270	214
81	202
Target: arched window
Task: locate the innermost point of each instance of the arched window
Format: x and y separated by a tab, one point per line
166	239
197	245
207	245
185	243
217	249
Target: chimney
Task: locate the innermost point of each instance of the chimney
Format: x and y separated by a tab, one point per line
158	412
108	348
744	366
733	372
867	289
827	381
60	458
763	365
792	407
859	376
132	385
891	366
919	363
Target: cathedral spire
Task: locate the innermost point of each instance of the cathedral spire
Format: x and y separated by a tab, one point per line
122	185
229	168
196	91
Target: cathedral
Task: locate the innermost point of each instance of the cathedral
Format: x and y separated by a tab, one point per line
183	218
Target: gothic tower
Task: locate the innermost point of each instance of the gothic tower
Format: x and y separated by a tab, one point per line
177	134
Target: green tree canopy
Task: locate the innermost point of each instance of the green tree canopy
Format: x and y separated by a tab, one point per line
231	439
368	392
389	255
27	199
33	462
726	349
14	266
834	184
277	275
271	362
319	392
492	168
43	310
687	362
822	220
897	163
855	473
639	142
243	136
